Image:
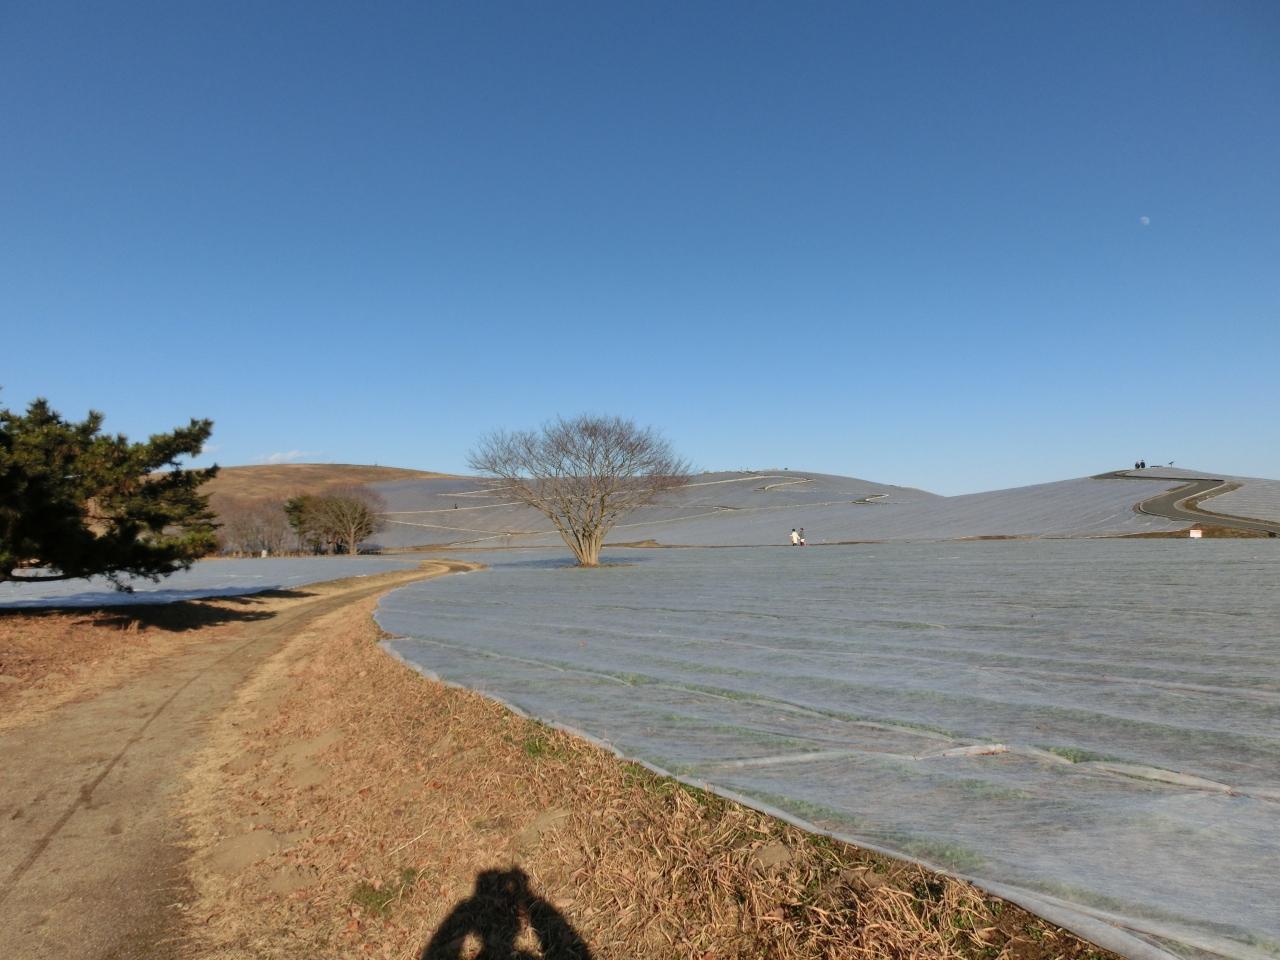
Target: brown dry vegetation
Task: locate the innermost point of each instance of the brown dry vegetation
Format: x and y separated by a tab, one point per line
249	501
347	805
280	481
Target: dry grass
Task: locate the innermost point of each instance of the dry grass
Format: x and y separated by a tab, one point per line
280	481
372	802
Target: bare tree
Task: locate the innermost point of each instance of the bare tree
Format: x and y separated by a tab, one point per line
582	474
271	525
234	524
251	526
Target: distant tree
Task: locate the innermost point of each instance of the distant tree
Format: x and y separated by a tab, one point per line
582	474
349	515
251	526
339	518
233	530
75	502
304	518
271	526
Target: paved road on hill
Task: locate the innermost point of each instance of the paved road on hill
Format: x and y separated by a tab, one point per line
1167	504
91	857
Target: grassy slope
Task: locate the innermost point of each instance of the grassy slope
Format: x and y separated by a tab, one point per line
280	481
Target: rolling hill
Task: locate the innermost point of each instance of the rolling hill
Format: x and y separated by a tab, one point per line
280	481
760	507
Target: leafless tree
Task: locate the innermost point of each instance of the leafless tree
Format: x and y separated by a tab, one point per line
228	532
272	526
582	474
251	526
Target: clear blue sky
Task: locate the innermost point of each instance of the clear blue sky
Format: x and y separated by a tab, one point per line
900	241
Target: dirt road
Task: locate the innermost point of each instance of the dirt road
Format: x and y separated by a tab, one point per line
91	862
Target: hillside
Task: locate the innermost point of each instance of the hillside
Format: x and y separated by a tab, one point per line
280	481
760	508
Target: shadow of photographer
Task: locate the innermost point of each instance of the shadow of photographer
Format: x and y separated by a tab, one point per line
500	909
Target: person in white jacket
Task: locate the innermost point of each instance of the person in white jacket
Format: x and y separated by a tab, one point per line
795	538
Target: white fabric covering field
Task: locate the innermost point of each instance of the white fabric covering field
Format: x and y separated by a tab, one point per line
1088	727
208	578
1259	499
754	509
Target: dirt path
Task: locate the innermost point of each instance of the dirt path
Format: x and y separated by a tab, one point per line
91	862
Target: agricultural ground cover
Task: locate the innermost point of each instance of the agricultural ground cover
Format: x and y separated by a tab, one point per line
1086	727
1259	499
760	508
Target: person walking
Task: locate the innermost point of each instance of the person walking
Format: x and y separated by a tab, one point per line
802	543
795	538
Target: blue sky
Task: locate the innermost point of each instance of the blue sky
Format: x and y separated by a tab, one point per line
957	246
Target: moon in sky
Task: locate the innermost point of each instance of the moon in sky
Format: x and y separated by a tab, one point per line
1145	221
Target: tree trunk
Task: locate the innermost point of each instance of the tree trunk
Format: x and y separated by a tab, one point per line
590	553
581	545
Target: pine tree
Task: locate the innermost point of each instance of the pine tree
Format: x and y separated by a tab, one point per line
76	502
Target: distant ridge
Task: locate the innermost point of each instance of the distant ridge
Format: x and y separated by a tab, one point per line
759	507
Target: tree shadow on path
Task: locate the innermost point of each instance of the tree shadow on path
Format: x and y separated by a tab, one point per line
493	918
174	616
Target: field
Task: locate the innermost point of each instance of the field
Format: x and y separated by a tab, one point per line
254	777
758	509
1086	726
350	807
